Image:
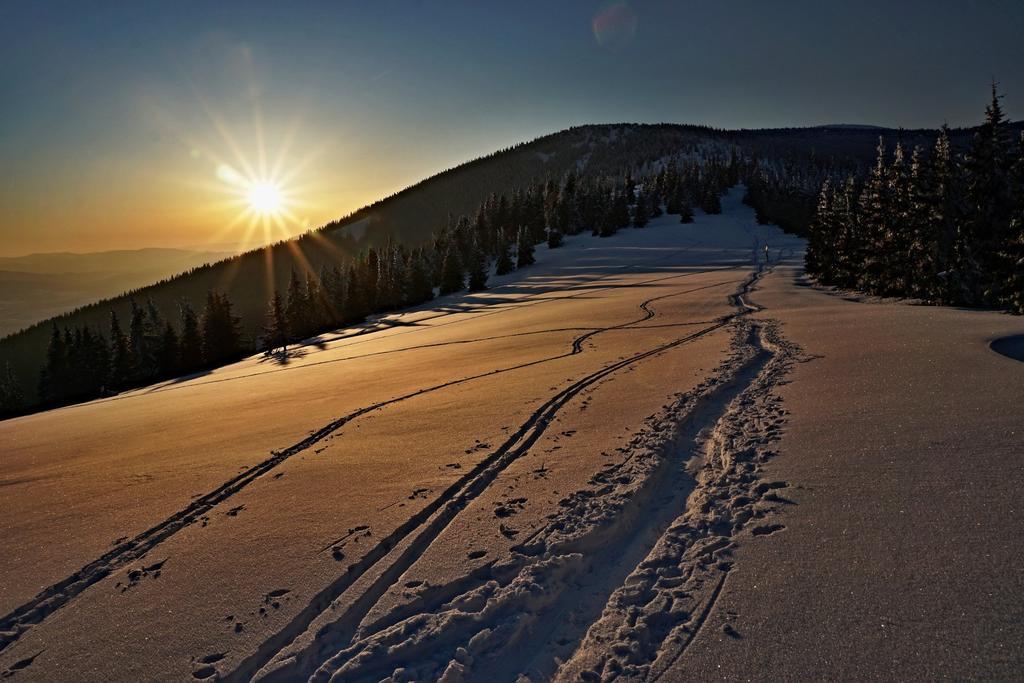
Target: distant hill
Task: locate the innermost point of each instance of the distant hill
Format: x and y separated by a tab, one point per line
122	260
40	286
851	126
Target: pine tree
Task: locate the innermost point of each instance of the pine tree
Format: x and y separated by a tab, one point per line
275	331
987	195
220	330
95	356
190	342
370	273
297	309
874	214
418	285
897	241
629	190
1011	255
849	238
452	276
138	344
674	201
921	241
685	211
52	381
524	249
711	202
168	352
944	221
332	295
816	257
555	238
641	212
503	264
357	306
477	268
120	355
654	200
620	209
12	397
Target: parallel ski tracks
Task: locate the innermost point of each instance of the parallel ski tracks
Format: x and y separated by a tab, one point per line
56	596
410	540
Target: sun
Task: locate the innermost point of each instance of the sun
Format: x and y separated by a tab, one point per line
264	198
261	200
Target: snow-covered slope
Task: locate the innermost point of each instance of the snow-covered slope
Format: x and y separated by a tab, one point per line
412	482
569	476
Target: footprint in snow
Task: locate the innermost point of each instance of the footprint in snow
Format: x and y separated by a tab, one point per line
20	665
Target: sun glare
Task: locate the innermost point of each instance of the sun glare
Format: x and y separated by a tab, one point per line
264	198
261	201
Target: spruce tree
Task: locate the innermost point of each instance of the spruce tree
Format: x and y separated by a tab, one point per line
12	397
711	202
452	276
503	263
524	249
620	209
1011	255
95	356
897	240
220	329
849	238
356	305
555	238
190	342
874	214
674	199
944	220
418	285
641	212
139	344
120	355
297	309
369	275
921	241
53	379
275	331
477	268
316	308
815	257
168	352
685	211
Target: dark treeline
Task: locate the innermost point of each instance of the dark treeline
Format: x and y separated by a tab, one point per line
932	224
84	362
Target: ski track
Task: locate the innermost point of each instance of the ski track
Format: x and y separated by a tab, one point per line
56	596
275	660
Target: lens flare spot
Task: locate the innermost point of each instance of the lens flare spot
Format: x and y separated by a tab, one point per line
229	175
615	26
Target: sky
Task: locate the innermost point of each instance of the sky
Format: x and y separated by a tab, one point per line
223	125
